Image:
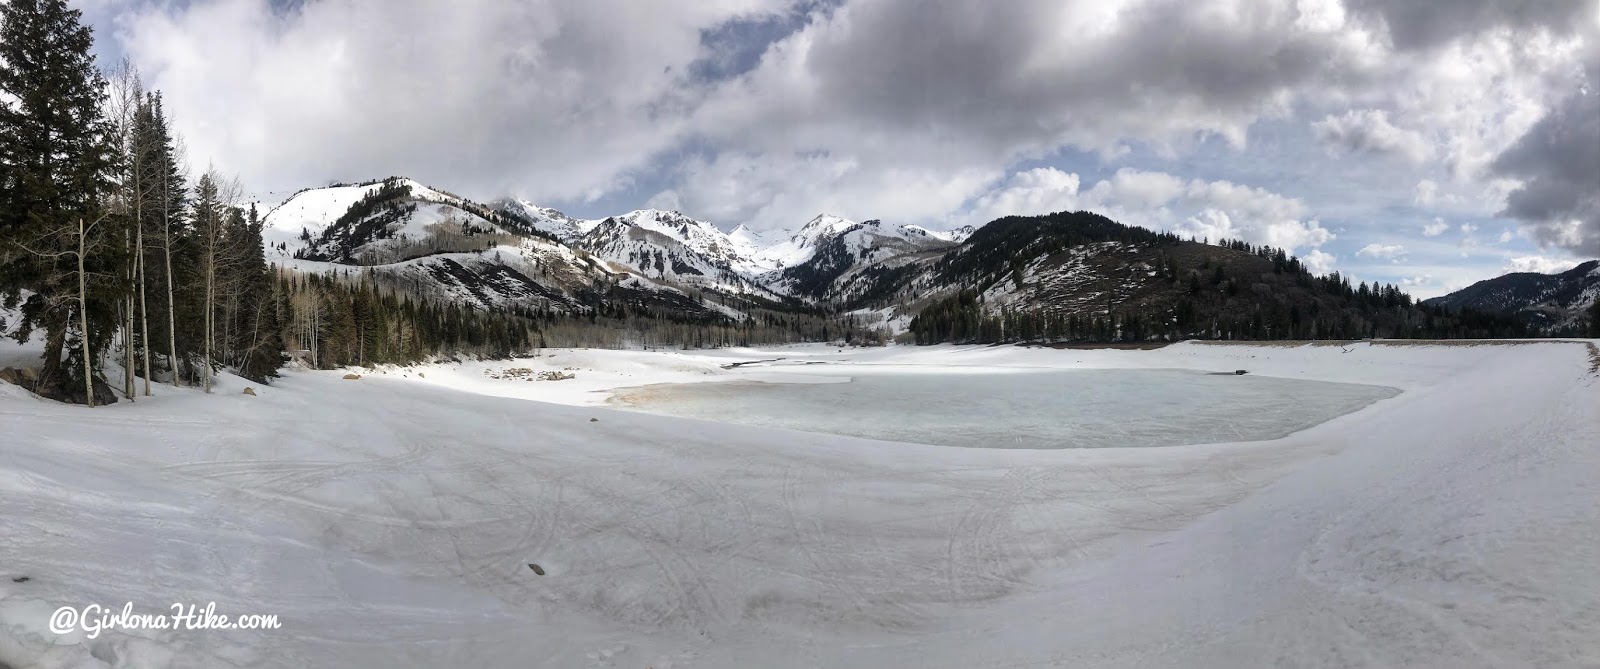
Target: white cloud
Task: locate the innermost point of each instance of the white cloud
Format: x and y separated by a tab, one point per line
1521	73
1383	251
976	88
779	190
1468	228
1319	262
540	97
1189	207
1040	190
1426	191
1436	228
1539	264
1369	131
666	200
1416	281
911	110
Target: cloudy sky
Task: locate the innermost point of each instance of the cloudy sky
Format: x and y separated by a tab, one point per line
1423	143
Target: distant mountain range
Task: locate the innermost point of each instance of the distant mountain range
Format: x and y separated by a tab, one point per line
515	252
1071	270
1550	303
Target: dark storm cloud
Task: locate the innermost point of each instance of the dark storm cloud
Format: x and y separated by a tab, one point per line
1016	71
1416	24
1558	161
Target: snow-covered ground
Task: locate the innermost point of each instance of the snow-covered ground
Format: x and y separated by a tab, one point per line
390	521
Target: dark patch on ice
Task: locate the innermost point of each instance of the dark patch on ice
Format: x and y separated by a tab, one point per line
536	568
104	652
749	362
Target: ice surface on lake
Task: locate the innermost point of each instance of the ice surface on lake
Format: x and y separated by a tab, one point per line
1047	409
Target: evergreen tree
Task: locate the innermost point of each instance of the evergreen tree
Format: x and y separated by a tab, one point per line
256	349
55	156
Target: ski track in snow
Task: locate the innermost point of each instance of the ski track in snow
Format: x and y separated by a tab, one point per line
390	521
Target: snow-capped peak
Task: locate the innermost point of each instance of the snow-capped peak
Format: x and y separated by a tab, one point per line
801	244
550	221
700	236
957	235
824	225
749	242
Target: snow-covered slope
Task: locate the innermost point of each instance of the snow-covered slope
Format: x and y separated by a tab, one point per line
956	236
391	521
833	260
564	228
289	226
437	245
796	247
660	246
305	225
748	242
672	247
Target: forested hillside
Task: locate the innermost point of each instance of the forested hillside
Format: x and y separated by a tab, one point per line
1562	304
1082	277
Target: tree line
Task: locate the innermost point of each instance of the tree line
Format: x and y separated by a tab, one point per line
104	241
120	260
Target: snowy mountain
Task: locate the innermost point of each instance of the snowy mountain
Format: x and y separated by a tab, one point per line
796	247
1119	282
673	247
433	244
432	236
836	255
957	235
544	219
1551	302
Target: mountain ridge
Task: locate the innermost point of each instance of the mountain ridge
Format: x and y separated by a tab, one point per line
1552	303
1133	283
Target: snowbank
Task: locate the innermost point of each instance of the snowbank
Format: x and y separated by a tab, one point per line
390	521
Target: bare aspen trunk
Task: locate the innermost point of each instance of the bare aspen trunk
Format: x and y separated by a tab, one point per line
127	343
210	318
83	316
172	306
144	312
126	309
127	330
229	314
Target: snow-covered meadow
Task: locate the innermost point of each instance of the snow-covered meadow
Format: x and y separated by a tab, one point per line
391	521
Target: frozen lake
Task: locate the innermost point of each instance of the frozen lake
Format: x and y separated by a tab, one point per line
1096	408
